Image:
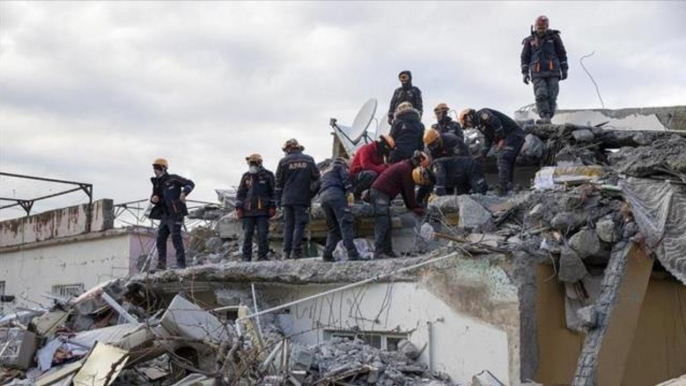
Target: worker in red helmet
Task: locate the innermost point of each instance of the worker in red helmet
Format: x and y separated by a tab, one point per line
544	61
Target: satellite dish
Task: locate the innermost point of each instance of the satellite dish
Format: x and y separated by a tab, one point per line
383	127
351	136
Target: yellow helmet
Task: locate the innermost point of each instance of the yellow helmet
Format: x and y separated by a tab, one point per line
292	144
466	117
420	176
390	142
161	162
254	158
441	107
431	136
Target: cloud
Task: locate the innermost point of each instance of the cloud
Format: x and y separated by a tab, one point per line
93	91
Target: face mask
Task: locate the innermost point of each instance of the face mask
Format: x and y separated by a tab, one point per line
254	169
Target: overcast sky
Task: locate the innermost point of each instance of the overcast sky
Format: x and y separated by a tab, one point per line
94	91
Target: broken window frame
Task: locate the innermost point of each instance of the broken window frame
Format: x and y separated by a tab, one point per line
370	337
68	290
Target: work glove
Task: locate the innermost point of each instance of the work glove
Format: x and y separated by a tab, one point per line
526	78
419	211
155	199
350	198
501	144
432	197
182	197
564	74
239	213
272	211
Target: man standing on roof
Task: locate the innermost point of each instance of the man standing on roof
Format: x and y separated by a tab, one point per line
296	176
407	132
440	145
169	193
500	129
368	163
255	204
405	93
544	60
397	179
445	124
336	197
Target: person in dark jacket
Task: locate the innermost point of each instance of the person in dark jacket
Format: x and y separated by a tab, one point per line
405	93
296	178
544	60
255	204
500	129
445	124
397	179
336	196
169	193
407	131
369	162
440	145
452	175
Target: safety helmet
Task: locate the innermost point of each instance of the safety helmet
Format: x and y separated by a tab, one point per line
419	158
161	162
387	140
292	144
403	107
431	136
254	158
420	176
467	117
441	107
542	23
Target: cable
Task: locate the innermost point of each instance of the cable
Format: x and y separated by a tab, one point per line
581	61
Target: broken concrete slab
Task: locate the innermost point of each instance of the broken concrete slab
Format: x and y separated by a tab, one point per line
473	216
585	243
102	366
572	268
17	347
409	349
186	319
607	230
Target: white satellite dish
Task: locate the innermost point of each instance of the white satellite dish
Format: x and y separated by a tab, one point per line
351	136
383	127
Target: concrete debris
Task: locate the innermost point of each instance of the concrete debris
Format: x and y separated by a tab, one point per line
473	216
585	243
572	268
607	230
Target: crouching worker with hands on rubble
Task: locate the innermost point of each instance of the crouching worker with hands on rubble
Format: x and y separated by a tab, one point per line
296	176
169	193
447	176
336	197
255	204
369	162
500	129
397	179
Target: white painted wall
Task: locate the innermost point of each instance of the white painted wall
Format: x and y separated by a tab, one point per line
462	346
31	272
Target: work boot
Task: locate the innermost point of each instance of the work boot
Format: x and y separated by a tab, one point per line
246	258
354	256
297	255
262	258
328	258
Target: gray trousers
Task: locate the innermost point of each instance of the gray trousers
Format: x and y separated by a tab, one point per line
546	90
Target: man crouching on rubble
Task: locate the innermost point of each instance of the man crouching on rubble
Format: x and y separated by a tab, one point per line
369	162
397	179
295	177
451	175
169	193
255	204
500	129
336	197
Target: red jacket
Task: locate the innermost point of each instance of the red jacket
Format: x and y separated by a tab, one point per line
398	179
367	158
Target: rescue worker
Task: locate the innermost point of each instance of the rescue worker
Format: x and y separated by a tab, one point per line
500	129
397	179
255	204
296	175
407	131
453	175
369	162
440	145
405	93
169	193
544	61
336	197
445	124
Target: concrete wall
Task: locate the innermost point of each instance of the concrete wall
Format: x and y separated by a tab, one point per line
64	222
462	345
31	272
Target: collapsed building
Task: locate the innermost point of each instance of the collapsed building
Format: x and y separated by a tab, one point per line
578	279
